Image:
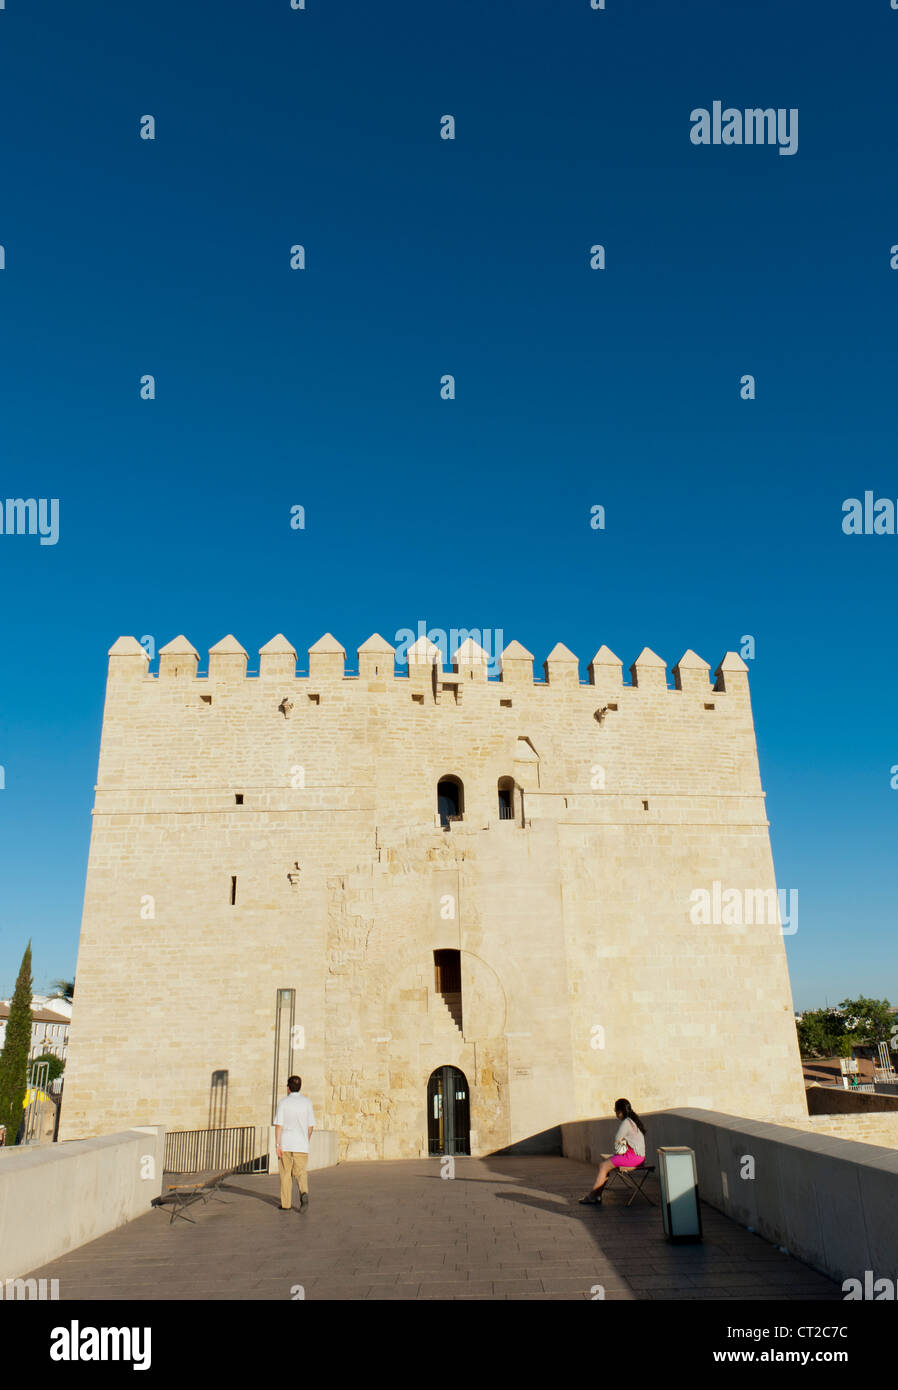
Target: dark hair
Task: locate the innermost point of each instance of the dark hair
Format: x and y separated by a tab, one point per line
294	1083
624	1108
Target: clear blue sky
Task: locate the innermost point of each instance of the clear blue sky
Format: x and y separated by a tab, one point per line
574	387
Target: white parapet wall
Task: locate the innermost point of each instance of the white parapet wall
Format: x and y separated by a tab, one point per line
323	1150
55	1197
830	1202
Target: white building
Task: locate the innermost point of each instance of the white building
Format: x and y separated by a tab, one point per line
49	1027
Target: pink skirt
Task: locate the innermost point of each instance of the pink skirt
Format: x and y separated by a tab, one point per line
631	1159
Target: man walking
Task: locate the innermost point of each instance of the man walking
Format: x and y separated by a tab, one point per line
294	1121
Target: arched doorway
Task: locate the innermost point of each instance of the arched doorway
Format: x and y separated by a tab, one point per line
448	1112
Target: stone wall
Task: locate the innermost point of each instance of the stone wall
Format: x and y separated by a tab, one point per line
584	976
55	1197
871	1128
832	1100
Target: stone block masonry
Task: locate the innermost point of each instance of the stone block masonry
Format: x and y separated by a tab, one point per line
253	834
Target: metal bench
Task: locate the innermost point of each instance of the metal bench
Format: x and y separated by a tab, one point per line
632	1177
181	1195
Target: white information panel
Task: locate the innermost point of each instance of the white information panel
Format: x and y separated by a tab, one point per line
679	1195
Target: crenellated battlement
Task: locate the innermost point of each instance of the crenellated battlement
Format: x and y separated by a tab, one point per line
420	666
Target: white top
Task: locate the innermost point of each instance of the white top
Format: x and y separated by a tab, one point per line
629	1133
295	1113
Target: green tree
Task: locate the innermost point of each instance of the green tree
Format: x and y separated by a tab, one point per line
820	1032
63	989
57	1066
868	1019
14	1057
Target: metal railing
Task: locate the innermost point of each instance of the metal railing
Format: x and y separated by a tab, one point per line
244	1148
37	1096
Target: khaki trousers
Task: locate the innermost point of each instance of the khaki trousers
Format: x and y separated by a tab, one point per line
292	1165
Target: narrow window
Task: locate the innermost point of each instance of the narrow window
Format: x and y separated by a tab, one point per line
506	798
233	889
450	800
238	797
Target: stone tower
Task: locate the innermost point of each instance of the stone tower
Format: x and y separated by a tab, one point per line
441	869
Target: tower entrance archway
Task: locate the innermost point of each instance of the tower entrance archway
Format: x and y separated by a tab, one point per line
448	1112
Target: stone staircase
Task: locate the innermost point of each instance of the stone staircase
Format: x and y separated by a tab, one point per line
453	1004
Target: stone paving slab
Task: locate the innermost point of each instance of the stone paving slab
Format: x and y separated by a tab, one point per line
502	1228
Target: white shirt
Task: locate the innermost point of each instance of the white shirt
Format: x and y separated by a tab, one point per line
296	1115
631	1134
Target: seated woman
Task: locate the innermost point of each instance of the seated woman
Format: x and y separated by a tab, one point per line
629	1145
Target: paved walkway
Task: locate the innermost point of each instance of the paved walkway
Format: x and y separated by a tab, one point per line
502	1228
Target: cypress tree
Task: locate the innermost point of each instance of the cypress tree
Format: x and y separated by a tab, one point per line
14	1057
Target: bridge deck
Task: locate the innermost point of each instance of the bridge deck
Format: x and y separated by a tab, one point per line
502	1228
